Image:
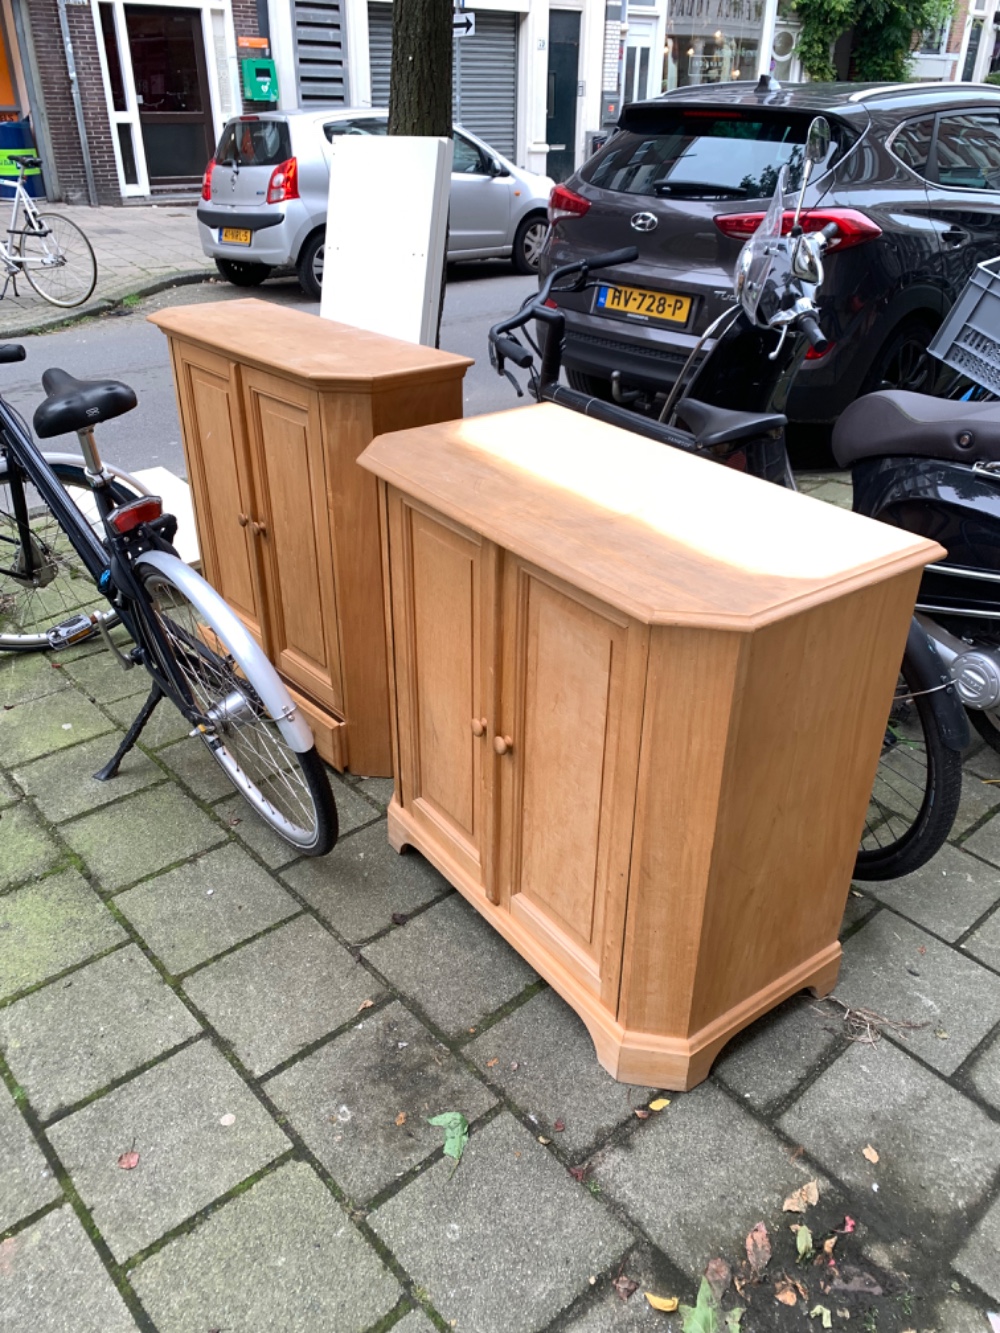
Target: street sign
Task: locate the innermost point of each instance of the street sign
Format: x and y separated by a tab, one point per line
463	24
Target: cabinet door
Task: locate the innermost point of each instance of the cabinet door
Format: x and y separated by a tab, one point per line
218	466
443	612
291	524
571	714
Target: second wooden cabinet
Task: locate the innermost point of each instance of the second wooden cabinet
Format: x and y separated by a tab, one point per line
275	408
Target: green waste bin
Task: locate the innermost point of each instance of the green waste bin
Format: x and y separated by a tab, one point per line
17	141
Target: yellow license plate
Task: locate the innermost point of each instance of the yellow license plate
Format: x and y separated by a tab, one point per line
639	303
236	236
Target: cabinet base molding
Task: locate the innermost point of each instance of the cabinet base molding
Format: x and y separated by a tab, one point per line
654	1059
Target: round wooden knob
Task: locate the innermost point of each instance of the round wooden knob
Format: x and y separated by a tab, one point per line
242	520
479	726
259	529
502	744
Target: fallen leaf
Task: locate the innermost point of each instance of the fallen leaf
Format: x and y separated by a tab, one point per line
828	1244
718	1275
641	1114
848	1227
491	1064
702	1317
365	1004
803	1243
857	1281
399	918
870	1154
668	1304
401	1118
759	1248
802	1198
785	1292
559	1126
543	1140
660	1104
456	1132
921	948
227	1119
821	1312
941	1034
128	1160
578	1173
734	1318
624	1286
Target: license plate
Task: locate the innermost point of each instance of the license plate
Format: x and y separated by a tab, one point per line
638	303
236	236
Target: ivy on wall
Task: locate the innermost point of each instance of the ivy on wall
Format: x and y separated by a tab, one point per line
883	38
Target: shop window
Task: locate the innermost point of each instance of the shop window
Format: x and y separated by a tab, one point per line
111	53
127	148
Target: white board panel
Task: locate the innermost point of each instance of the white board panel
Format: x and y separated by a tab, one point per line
385	234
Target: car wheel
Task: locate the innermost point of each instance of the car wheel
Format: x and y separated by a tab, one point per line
592	384
242	274
904	362
528	242
310	266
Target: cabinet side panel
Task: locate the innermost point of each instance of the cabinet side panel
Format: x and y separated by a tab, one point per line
806	739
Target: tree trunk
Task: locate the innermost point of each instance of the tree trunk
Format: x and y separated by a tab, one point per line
420	80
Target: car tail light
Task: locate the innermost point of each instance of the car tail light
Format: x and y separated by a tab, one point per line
206	181
129	516
853	228
564	203
284	182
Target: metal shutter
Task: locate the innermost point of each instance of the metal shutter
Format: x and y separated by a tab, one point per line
320	58
486	102
380	51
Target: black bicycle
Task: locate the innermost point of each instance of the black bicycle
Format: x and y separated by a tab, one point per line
82	549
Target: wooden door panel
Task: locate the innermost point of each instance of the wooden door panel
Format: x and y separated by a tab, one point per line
219	470
294	534
442	625
567	662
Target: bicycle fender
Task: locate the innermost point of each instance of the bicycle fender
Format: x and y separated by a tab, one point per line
119	474
269	685
929	672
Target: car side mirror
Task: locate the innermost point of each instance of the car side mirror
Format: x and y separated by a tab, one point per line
498	168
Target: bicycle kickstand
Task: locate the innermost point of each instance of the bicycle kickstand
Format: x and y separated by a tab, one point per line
110	769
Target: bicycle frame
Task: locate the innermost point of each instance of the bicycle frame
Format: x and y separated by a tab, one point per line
13	263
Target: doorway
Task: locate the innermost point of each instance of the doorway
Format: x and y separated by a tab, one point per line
638	55
171	86
561	103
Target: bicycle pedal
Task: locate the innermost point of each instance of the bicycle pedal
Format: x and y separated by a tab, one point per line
74	630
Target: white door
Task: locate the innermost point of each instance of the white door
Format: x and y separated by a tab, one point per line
638	62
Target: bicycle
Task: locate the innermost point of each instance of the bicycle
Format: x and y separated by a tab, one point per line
51	251
77	536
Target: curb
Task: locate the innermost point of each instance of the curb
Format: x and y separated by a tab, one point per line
53	319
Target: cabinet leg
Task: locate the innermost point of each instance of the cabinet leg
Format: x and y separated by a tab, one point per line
823	983
397	836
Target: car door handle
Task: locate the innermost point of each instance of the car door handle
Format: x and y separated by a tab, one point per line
954	237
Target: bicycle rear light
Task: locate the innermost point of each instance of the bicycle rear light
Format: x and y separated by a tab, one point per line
129	516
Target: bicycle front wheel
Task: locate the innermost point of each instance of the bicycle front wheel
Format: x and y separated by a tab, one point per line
58	260
289	790
60	585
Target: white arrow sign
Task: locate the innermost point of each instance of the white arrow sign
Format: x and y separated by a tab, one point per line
463	24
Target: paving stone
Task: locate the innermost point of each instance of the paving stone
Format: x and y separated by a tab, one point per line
283	991
858	906
353	811
709	1206
938	1151
69	1039
47	927
768	1060
344	1099
985	1074
26	1183
983	762
985	842
453	964
379	789
9	794
359	886
415	1322
26	849
302	1266
978	799
101	678
946	895
63	785
42	726
195	765
25	676
205	906
610	1314
977	1259
53	1281
171	1117
984	943
957	1316
478	1238
135	838
241	821
557	1075
884	970
166	724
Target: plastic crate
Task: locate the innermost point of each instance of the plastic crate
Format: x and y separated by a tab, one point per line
969	339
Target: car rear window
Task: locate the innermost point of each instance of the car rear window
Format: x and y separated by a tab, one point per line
693	153
255	143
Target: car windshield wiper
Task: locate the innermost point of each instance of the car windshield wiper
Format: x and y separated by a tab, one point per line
692	189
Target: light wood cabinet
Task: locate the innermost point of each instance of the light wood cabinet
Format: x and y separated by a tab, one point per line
638	703
275	407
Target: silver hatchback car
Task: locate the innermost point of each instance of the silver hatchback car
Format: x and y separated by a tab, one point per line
264	197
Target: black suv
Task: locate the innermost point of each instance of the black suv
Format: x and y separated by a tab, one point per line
912	180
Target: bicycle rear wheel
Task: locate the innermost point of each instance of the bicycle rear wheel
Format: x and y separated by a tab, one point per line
288	789
58	261
61	585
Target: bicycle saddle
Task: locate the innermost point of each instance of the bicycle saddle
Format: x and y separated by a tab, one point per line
74	404
896	422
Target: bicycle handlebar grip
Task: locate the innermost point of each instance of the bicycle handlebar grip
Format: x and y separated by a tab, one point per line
613	257
814	333
513	351
11	352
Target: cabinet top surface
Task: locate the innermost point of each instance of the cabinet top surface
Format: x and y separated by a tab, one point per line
292	342
666	537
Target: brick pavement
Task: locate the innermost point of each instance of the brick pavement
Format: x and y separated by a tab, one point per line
173	981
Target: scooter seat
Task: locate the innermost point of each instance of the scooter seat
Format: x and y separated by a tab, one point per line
916	425
711	425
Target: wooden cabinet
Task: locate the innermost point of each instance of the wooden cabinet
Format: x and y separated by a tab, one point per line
275	407
638	703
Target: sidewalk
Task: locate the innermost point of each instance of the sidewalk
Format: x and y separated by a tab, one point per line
138	250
